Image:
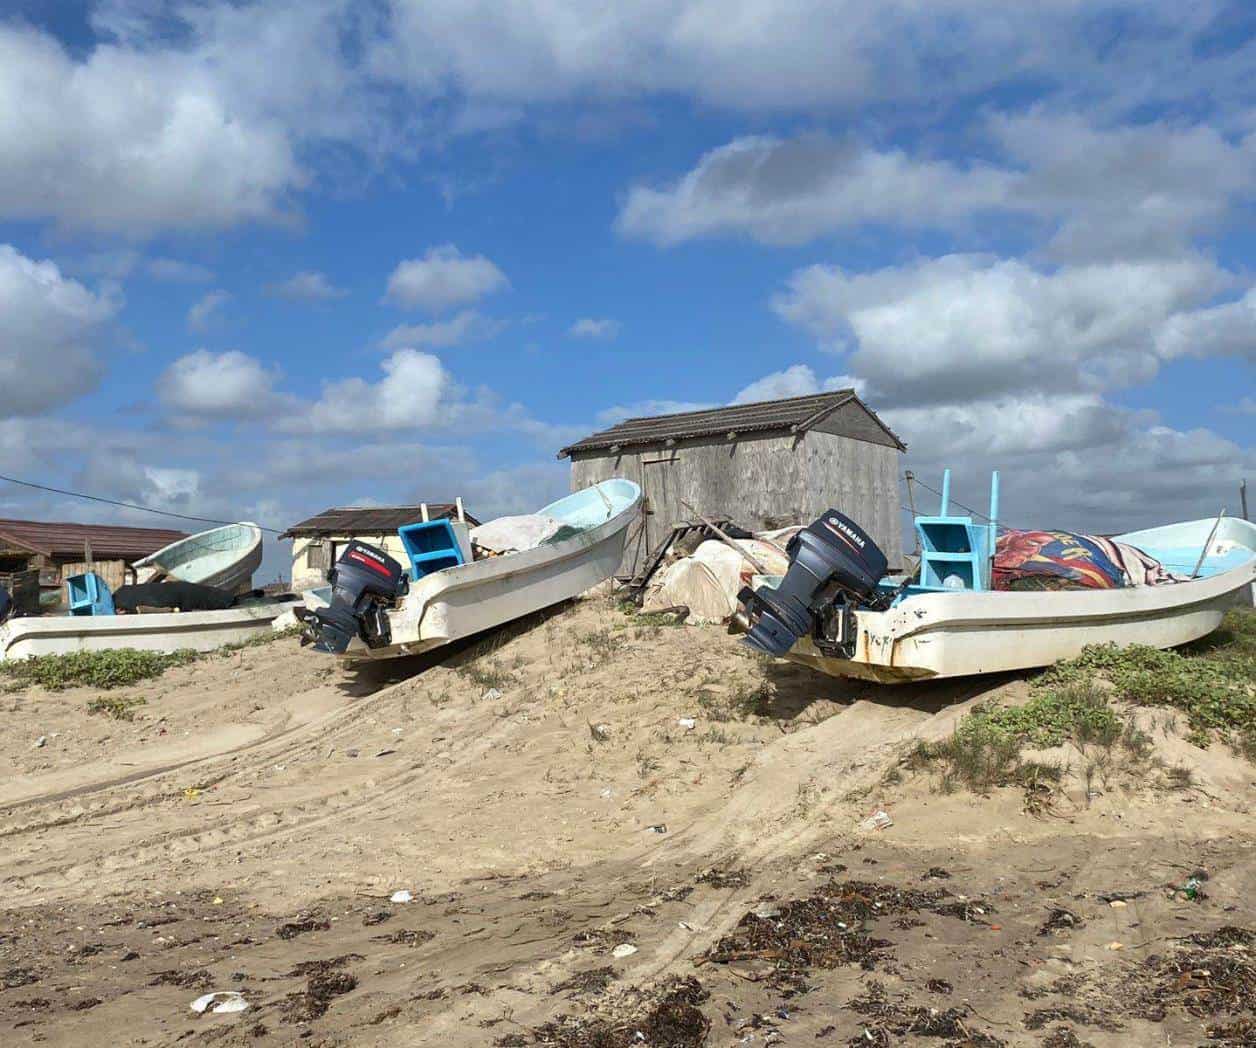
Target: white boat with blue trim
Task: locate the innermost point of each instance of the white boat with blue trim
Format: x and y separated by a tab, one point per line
379	609
951	621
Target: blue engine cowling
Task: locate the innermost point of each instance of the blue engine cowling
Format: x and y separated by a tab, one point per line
365	583
829	560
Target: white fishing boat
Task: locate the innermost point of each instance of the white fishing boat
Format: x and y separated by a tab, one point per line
893	632
458	601
162	631
224	557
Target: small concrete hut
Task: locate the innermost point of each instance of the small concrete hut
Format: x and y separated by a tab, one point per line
766	464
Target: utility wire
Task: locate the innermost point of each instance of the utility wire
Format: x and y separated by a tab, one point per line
125	505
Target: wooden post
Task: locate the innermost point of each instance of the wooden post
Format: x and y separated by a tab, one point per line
87	553
1243	497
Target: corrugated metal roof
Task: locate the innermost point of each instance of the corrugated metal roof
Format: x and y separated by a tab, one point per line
370	520
789	415
108	541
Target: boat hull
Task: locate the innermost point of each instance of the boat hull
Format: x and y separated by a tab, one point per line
960	634
459	602
225	558
164	632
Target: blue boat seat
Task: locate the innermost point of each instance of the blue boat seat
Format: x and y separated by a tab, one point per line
89	594
431	546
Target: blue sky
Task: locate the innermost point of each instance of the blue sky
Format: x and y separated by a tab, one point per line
258	259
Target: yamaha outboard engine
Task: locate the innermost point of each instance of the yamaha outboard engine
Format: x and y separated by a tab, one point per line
365	583
833	565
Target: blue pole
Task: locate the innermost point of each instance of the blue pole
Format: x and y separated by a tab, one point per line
994	523
946	493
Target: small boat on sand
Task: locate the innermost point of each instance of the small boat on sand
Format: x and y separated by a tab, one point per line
379	610
224	557
162	631
834	611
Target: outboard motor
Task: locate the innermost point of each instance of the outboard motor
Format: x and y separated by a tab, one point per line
833	565
365	583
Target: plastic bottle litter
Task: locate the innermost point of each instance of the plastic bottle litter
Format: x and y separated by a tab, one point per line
492	695
688	723
221	1003
658	827
41	742
624	949
402	896
878	820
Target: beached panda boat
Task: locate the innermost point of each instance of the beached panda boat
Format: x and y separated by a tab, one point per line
836	613
379	609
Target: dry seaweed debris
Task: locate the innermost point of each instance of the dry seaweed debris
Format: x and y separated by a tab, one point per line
888	1020
320	990
667	1018
1209	974
829	929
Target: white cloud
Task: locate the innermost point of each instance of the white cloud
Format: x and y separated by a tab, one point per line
411	395
789	191
1102	192
1245	406
594	327
795	381
963	327
807	55
1224	330
48	327
203	311
646	408
205	385
307	286
1071	461
175	271
1123	191
442	279
440	334
131	141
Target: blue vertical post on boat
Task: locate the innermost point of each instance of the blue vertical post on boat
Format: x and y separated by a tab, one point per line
993	540
946	493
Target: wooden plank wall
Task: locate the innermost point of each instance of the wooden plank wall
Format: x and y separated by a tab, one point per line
114	572
751	481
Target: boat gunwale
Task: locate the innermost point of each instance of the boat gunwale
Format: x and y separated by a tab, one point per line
503	567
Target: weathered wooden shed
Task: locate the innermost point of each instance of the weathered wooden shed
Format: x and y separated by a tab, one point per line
319	541
765	464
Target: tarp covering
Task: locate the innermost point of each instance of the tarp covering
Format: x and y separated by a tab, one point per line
1065	560
707	581
515	534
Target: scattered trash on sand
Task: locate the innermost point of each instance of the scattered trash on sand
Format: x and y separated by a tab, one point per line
658	827
41	742
624	949
492	695
878	820
221	1003
600	732
688	723
401	896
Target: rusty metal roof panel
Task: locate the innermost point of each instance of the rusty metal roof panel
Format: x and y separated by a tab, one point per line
66	539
